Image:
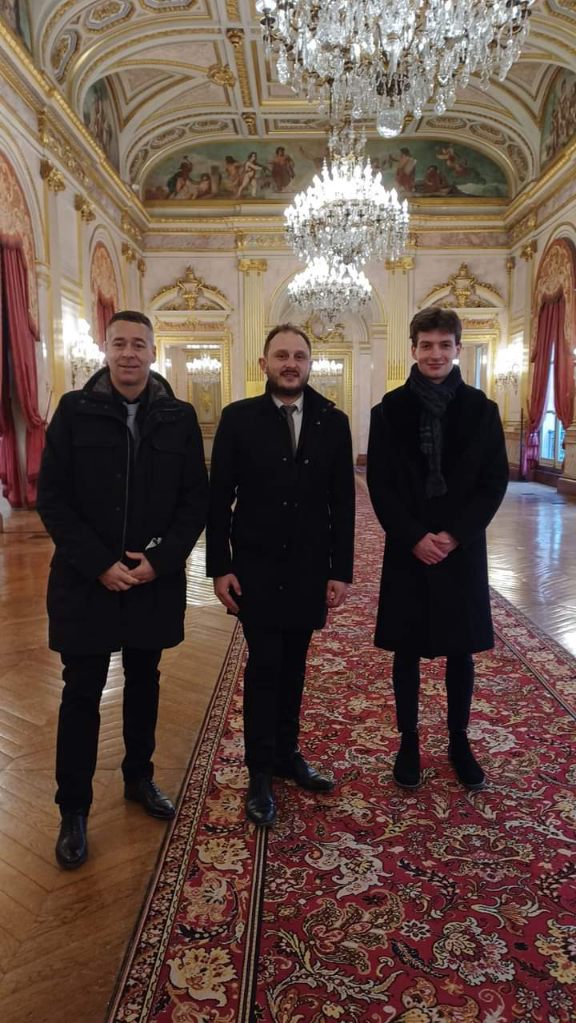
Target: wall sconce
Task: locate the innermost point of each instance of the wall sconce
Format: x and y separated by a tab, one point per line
84	354
508	366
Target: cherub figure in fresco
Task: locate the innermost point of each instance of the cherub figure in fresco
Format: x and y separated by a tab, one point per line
458	165
434	181
232	173
250	174
177	182
405	174
282	169
9	13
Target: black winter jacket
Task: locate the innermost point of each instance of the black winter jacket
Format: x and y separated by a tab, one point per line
97	501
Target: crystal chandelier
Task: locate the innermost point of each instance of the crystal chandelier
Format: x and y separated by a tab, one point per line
348	214
329	288
387	58
328	371
204	369
85	355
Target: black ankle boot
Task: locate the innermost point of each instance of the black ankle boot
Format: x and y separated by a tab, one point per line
72	845
464	762
406	771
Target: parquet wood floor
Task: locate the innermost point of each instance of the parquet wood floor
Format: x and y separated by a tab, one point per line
62	936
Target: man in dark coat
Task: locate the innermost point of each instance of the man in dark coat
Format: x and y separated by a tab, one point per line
437	472
123	493
280	541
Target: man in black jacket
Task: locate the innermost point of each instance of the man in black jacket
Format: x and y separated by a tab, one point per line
437	472
280	539
123	494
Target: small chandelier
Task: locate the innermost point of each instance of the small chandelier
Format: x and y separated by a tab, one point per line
387	58
85	355
328	371
204	369
330	288
347	214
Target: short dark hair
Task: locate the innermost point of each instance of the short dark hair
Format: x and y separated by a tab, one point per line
286	328
433	317
133	317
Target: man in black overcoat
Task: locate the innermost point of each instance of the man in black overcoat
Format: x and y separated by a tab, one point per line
437	472
123	493
280	540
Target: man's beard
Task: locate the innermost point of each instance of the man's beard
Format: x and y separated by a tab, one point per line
278	388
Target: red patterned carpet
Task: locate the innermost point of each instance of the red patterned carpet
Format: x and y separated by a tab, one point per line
372	905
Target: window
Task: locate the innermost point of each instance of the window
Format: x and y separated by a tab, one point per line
551	432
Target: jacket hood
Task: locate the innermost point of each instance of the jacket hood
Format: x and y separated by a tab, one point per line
100	383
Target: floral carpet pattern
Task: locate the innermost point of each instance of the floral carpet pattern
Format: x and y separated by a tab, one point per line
371	904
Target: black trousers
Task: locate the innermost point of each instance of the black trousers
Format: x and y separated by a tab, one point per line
459	689
273	687
79	721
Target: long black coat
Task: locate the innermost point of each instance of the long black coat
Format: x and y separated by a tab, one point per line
445	608
97	501
292	525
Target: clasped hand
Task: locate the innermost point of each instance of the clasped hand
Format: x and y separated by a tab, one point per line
120	577
434	547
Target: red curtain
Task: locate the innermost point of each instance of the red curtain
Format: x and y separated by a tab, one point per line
105	310
18	337
550	335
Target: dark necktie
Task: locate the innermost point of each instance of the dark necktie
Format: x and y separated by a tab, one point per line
288	413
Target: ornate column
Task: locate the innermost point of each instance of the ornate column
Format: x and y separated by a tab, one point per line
398	311
53	184
131	279
253	304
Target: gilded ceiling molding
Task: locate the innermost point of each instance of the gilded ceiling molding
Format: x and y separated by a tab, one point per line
236	37
62	53
52	176
523	227
232	10
462	286
250	122
130	228
111	12
221	74
528	251
84	208
190	291
128	252
556	273
52	139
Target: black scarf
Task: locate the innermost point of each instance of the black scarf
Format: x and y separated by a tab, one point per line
434	399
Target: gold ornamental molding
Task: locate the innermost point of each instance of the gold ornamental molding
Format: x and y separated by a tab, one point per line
128	253
52	140
462	286
472	324
221	74
247	266
189	288
523	227
236	37
130	228
250	122
84	208
510	264
232	10
52	176
556	273
333	336
404	264
203	327
528	251
141	264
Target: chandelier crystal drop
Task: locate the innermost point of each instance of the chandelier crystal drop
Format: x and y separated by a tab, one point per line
388	58
347	214
329	288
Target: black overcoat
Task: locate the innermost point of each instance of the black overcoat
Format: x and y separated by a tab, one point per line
283	525
445	608
97	500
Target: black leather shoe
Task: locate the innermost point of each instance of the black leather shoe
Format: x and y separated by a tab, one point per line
306	776
260	804
72	845
464	762
406	770
147	793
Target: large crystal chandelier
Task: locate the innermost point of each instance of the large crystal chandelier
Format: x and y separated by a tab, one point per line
347	213
330	287
389	57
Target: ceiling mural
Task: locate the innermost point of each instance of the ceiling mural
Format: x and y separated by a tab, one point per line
559	122
243	170
169	63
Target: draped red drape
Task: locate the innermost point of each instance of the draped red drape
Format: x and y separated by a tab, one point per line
18	338
105	310
550	336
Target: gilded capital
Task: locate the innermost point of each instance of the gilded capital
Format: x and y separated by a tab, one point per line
404	263
128	253
247	266
84	208
53	177
221	74
141	264
250	122
236	36
528	251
